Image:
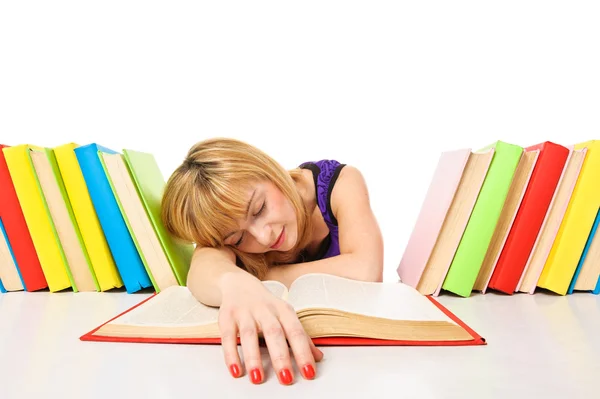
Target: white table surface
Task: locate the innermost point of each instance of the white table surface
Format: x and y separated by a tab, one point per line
539	345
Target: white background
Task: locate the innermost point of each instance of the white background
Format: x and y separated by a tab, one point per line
367	83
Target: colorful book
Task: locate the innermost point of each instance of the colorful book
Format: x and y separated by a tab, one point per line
442	189
444	214
481	226
597	289
507	217
587	272
121	244
37	216
67	230
15	226
530	216
9	273
86	219
150	184
138	222
576	225
552	221
333	311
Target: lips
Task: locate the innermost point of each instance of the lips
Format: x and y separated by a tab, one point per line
279	239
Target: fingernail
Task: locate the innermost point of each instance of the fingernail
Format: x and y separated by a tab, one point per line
255	376
234	370
285	376
309	371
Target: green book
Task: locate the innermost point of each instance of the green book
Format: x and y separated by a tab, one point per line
478	234
150	185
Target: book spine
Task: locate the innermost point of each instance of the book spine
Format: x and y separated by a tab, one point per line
120	242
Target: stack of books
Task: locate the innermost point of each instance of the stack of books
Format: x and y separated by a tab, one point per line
510	219
84	218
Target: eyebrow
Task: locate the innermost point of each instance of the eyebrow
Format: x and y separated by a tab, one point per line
247	211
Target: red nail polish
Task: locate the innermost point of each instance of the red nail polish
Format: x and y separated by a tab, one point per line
255	376
309	371
285	376
234	370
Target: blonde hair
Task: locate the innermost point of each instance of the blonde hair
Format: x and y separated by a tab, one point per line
204	197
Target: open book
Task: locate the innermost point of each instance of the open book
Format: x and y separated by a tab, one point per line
333	310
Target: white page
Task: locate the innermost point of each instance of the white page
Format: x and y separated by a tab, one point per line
176	306
394	301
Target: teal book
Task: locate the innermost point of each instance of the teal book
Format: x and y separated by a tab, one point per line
586	261
121	244
138	185
4	237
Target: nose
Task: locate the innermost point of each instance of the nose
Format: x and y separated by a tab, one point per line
262	233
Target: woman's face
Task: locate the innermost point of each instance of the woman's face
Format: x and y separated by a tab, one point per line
270	223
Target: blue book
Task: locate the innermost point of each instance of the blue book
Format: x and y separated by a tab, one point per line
12	254
121	244
2	289
583	255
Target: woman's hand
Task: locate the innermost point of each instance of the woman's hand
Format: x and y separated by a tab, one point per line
248	308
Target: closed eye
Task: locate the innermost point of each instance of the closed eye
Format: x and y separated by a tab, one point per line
260	211
262	208
238	242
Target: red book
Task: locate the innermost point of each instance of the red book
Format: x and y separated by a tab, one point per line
333	311
17	232
530	216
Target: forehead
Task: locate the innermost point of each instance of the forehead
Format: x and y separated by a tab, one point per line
256	187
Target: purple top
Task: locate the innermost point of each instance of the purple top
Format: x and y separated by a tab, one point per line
325	174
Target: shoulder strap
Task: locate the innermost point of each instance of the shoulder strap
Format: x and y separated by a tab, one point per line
325	174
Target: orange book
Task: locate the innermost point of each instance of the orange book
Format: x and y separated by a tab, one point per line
333	311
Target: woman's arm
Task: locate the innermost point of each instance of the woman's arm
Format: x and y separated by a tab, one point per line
361	242
211	272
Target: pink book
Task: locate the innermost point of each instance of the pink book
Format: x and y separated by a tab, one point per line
552	221
438	199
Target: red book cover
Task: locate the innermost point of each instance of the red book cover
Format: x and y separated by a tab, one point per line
18	233
476	339
530	216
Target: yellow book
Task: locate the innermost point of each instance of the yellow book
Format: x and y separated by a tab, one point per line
576	225
59	206
38	219
91	232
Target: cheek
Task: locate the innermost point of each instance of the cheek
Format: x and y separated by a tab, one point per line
282	209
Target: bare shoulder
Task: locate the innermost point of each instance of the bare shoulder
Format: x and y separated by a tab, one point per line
359	232
350	190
